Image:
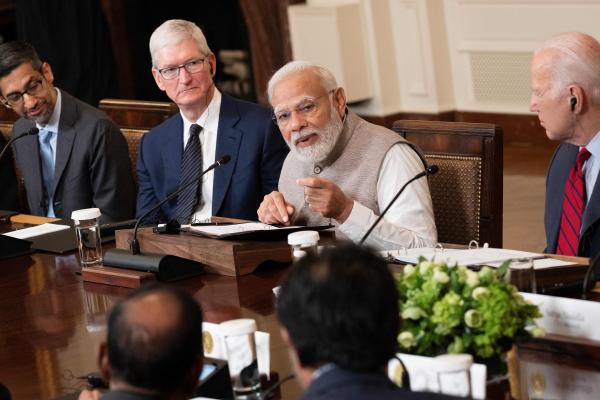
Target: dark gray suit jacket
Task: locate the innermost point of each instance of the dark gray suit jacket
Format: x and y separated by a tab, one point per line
92	166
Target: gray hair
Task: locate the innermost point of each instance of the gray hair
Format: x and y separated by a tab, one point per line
575	60
174	31
327	79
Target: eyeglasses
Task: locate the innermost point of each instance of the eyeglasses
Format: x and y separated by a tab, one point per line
306	107
33	89
192	67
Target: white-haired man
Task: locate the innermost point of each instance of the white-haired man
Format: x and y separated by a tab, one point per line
342	169
565	83
209	126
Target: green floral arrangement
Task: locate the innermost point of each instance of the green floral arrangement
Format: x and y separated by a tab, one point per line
452	309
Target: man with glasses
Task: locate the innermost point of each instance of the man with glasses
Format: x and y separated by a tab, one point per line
342	169
79	159
208	126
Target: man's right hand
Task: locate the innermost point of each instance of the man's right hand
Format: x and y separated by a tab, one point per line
274	209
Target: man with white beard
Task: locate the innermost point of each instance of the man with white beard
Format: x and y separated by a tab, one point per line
341	169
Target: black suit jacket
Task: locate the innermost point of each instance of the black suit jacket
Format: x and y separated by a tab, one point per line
92	166
558	173
8	180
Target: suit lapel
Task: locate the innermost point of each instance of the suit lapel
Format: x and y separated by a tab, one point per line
171	153
31	154
65	137
228	143
591	213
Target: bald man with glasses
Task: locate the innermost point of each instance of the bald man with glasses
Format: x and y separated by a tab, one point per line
79	159
341	169
209	125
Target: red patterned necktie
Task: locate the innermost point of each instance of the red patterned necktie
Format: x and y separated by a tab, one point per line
573	206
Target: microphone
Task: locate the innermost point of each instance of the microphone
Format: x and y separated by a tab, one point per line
32	131
430	170
135	245
166	267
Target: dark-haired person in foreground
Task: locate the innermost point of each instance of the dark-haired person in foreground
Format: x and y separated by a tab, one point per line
340	317
153	348
79	158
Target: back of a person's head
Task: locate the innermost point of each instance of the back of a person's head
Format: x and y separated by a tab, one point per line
155	348
15	53
341	307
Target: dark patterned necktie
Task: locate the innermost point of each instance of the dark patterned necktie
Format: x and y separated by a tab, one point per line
573	206
191	167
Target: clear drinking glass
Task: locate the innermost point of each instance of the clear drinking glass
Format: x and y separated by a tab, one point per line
523	274
87	232
302	243
241	357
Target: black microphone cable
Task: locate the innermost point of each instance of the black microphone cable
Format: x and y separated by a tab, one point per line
430	170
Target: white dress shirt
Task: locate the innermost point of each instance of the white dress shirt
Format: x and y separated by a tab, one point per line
410	221
209	121
592	165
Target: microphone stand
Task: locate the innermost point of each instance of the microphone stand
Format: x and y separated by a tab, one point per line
432	169
167	267
32	131
588	275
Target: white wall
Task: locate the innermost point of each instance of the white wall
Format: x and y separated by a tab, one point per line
432	56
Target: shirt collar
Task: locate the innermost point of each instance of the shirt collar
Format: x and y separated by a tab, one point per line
53	122
210	114
594	145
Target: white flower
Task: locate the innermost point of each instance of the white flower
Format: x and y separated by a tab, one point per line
473	319
407	339
480	293
409	270
440	276
472	278
413	313
425	267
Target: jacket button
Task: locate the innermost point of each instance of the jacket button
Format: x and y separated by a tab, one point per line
317	169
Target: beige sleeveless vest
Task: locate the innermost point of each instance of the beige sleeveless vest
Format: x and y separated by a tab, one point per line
353	165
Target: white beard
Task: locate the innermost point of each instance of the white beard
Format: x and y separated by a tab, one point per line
327	138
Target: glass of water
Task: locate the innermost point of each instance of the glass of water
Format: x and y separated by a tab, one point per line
87	232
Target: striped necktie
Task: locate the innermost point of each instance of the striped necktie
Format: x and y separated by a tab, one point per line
47	163
191	167
573	207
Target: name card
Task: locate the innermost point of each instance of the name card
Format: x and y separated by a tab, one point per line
423	376
568	317
214	346
551	381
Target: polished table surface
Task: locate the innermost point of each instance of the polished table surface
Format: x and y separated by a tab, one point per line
51	323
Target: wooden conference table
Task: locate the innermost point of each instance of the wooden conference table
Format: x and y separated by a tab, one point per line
51	323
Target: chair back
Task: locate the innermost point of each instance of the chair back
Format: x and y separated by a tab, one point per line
139	114
6	128
467	190
133	138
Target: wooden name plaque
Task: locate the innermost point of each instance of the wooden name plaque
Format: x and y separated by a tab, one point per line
223	257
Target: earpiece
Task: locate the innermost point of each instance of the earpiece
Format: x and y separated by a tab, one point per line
573	103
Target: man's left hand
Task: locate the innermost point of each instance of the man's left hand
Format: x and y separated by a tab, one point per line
325	197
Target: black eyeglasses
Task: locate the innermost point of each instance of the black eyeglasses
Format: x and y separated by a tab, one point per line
33	89
192	67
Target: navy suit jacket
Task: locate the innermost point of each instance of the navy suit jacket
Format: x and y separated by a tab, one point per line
341	384
558	173
246	133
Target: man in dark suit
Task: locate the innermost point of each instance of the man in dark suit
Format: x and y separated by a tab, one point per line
153	348
340	317
79	158
8	180
565	76
209	126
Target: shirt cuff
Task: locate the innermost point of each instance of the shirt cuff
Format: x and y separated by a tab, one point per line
358	222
